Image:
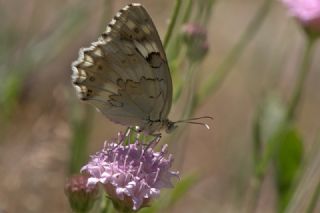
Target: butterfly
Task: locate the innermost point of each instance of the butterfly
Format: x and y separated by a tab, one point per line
125	74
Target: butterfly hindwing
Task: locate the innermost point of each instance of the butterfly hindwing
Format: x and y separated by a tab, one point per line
125	73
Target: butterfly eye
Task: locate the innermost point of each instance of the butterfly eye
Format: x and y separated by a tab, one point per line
170	126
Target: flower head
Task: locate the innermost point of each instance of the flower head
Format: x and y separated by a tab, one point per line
81	196
194	31
131	174
195	37
307	12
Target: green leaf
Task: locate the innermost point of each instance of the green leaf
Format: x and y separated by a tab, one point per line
9	95
288	155
169	199
272	118
182	188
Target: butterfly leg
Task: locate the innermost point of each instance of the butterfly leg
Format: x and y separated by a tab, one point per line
128	134
123	138
128	131
153	143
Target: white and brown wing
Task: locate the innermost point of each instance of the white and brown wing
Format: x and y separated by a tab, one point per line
125	73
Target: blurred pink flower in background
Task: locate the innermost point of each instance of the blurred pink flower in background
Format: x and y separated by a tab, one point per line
307	12
195	37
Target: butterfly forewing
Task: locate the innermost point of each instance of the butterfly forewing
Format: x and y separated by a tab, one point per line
125	73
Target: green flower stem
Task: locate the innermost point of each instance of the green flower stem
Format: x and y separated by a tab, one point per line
191	80
176	51
299	87
172	23
260	171
264	161
215	81
204	11
81	127
257	142
208	11
314	200
187	13
106	205
187	112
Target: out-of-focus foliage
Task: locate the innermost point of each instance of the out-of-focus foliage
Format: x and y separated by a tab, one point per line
288	160
258	76
170	198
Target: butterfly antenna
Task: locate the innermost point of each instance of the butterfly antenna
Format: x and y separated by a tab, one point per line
192	121
203	124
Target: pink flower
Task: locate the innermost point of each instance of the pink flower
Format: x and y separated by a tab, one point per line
307	12
132	175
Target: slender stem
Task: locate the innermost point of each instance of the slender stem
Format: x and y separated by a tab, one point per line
172	23
188	110
263	163
306	190
208	11
257	143
299	87
187	13
214	82
314	200
81	127
260	171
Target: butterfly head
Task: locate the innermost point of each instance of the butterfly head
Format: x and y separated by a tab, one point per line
169	126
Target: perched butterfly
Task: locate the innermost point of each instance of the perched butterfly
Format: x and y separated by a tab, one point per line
125	74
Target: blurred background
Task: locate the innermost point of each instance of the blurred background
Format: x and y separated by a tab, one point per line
39	108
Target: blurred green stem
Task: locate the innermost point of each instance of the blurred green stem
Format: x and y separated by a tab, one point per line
314	200
303	72
257	143
260	171
187	112
187	13
263	161
172	23
215	80
208	11
81	123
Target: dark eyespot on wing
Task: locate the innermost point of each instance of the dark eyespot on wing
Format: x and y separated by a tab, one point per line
154	60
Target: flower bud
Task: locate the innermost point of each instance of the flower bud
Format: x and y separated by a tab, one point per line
195	37
81	195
